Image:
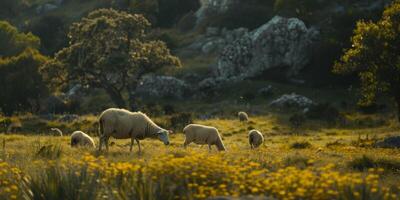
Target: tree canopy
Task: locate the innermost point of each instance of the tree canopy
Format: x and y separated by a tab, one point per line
374	55
108	49
21	85
13	42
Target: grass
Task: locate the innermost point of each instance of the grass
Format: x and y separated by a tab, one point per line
42	166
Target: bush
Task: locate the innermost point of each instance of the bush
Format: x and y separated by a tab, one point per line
325	112
365	162
21	85
300	145
49	151
297	120
180	120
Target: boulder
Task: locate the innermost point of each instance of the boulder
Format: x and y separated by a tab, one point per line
292	101
281	43
265	91
389	142
45	8
162	87
210	8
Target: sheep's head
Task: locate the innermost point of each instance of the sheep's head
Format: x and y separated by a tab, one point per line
163	136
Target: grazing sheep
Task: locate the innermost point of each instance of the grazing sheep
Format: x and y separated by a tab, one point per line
79	138
123	124
200	134
255	138
243	117
58	131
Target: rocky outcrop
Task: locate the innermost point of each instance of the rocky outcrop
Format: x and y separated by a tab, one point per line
45	8
215	39
292	101
211	8
281	43
162	87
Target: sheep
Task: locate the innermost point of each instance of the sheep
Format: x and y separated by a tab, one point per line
79	138
123	124
58	131
255	138
243	117
200	134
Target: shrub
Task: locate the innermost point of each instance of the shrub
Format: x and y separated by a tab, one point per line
366	162
180	120
325	112
297	120
300	145
169	109
298	161
49	151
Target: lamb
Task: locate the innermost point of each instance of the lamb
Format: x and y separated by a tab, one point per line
243	117
79	138
123	124
200	134
255	138
58	131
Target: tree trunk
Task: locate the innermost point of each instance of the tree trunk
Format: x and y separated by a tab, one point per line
116	97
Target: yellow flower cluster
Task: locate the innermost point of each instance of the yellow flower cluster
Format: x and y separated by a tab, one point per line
201	175
10	179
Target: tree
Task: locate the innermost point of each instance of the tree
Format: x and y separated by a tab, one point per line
13	42
374	55
108	49
21	85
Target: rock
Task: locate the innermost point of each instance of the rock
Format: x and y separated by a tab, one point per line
389	142
68	118
212	31
213	46
280	43
292	101
210	8
58	2
45	8
266	91
163	86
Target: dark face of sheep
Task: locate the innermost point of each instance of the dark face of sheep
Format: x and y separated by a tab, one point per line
74	142
163	136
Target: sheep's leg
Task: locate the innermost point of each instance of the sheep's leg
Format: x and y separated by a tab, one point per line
185	144
140	151
101	140
106	141
132	141
209	148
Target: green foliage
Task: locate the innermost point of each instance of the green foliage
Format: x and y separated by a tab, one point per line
374	56
298	8
12	42
21	85
52	31
109	50
325	112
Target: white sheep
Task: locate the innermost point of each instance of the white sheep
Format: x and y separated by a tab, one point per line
255	138
123	124
200	134
243	117
79	138
58	131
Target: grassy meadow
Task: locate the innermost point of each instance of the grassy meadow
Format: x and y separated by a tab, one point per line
316	161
